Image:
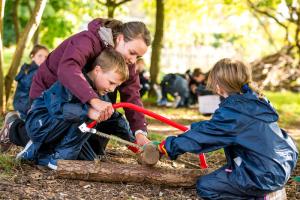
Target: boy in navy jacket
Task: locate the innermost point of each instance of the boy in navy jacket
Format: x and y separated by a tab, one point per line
54	117
260	156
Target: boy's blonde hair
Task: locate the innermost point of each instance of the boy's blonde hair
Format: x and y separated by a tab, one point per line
110	59
230	75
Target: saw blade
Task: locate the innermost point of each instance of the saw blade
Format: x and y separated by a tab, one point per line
115	138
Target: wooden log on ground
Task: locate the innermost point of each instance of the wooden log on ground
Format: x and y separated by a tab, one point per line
115	172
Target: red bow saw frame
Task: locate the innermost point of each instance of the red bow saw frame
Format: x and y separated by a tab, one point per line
202	160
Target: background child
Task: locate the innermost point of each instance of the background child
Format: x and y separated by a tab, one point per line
177	86
144	77
53	120
260	156
21	100
197	85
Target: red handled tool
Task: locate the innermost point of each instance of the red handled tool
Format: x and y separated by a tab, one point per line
202	160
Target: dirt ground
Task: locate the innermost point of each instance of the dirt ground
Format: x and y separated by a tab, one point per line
31	182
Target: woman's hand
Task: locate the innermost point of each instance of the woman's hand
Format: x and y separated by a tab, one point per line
104	109
141	139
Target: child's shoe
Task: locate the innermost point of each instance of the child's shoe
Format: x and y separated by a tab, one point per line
48	160
5	144
28	153
177	102
53	162
43	159
158	92
162	102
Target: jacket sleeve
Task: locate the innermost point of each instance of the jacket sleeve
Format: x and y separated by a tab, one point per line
130	92
20	74
206	136
78	51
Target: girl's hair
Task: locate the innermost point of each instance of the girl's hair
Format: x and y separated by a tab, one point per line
230	75
110	59
130	30
36	48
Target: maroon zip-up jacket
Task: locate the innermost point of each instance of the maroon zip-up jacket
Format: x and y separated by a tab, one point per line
65	63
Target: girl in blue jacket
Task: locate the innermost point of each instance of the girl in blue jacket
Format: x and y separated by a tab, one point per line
21	100
260	156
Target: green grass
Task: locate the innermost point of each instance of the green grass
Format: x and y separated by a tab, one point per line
156	137
7	164
287	105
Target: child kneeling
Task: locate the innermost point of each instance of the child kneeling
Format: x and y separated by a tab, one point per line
260	156
53	120
21	100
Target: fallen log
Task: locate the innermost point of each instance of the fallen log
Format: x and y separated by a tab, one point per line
115	172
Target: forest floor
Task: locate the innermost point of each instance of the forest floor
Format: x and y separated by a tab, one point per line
27	181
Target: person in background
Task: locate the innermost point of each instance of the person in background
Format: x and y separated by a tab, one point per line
260	155
21	101
197	85
177	86
197	80
144	77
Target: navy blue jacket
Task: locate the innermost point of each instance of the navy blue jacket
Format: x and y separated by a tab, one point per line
260	154
55	105
21	100
58	104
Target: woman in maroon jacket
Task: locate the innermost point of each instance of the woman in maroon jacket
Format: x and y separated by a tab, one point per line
66	62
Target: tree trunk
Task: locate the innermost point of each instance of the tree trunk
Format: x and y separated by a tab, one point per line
15	19
157	43
110	11
35	39
26	36
115	172
297	35
112	5
2	106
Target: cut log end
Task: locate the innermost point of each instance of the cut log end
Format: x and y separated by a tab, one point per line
149	156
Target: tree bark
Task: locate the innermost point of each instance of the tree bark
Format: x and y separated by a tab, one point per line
36	37
157	43
15	19
130	173
2	106
26	36
110	11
